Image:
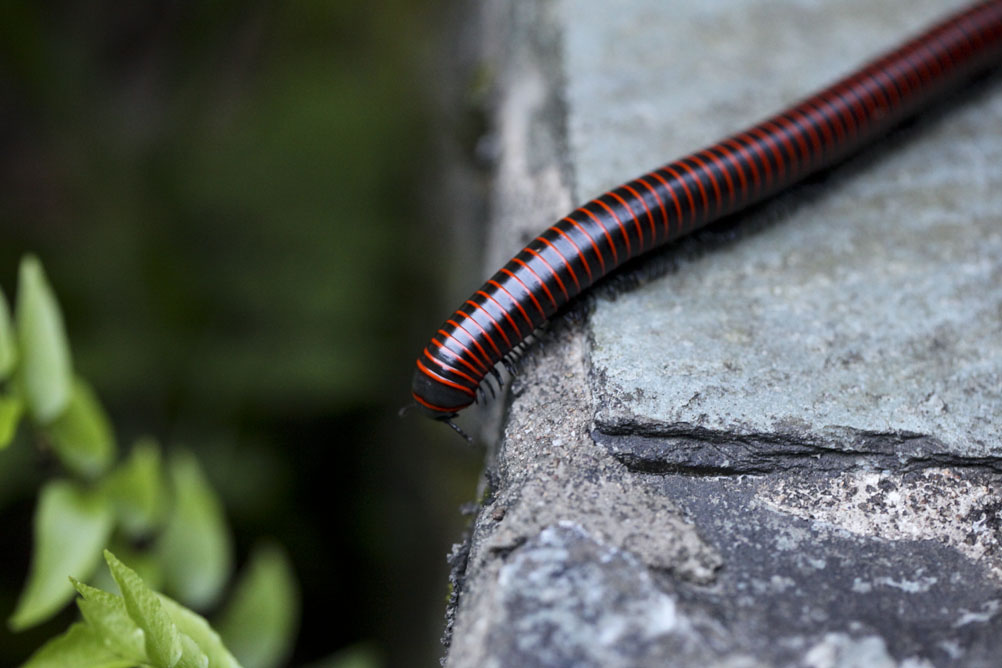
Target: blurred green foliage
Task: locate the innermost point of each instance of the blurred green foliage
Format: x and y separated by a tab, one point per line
138	627
230	198
72	526
169	519
253	623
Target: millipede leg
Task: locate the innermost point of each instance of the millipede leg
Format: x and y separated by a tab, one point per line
459	431
508	365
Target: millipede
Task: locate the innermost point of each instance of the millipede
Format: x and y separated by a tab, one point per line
676	198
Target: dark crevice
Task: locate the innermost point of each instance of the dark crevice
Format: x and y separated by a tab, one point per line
698	452
638	465
502	551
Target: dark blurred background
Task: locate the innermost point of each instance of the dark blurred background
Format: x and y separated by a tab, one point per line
240	207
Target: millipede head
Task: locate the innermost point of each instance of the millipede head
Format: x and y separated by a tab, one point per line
436	399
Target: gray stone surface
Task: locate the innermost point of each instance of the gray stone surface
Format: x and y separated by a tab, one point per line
872	308
785	450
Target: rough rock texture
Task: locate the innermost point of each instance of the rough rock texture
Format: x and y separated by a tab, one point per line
784	450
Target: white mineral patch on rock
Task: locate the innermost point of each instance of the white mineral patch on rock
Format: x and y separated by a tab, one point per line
839	650
936	504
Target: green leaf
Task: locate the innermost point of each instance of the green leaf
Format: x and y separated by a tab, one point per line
106	614
141	559
79	647
71	527
163	640
194	546
137	489
45	370
81	435
109	616
11	408
197	628
192	655
8	346
260	621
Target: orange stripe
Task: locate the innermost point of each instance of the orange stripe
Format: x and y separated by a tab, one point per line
465	349
664	214
750	146
871	73
552	270
920	67
598	253
685	188
473	340
794	153
809	111
445	381
816	143
440	409
496	323
514	301
567	263
727	175
539	307
605	231
898	68
930	62
713	179
731	143
482	331
945	53
834	102
841	128
727	155
883	66
967	41
938	38
650	217
856	108
619	223
450	369
927	62
633	213
867	79
504	312
674	198
860	108
699	182
456	357
580	255
541	281
773	147
840	131
866	98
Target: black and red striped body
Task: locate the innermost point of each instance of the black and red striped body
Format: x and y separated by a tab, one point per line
679	197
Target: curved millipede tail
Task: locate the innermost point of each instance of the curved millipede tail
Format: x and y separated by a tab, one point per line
679	197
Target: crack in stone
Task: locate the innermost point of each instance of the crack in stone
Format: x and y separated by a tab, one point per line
697	451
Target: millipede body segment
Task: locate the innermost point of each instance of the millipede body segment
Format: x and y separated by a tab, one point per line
681	196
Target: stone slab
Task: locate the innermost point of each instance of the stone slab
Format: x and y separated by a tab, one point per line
783	451
867	303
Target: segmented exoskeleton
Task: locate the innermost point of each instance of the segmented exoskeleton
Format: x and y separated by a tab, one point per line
681	196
